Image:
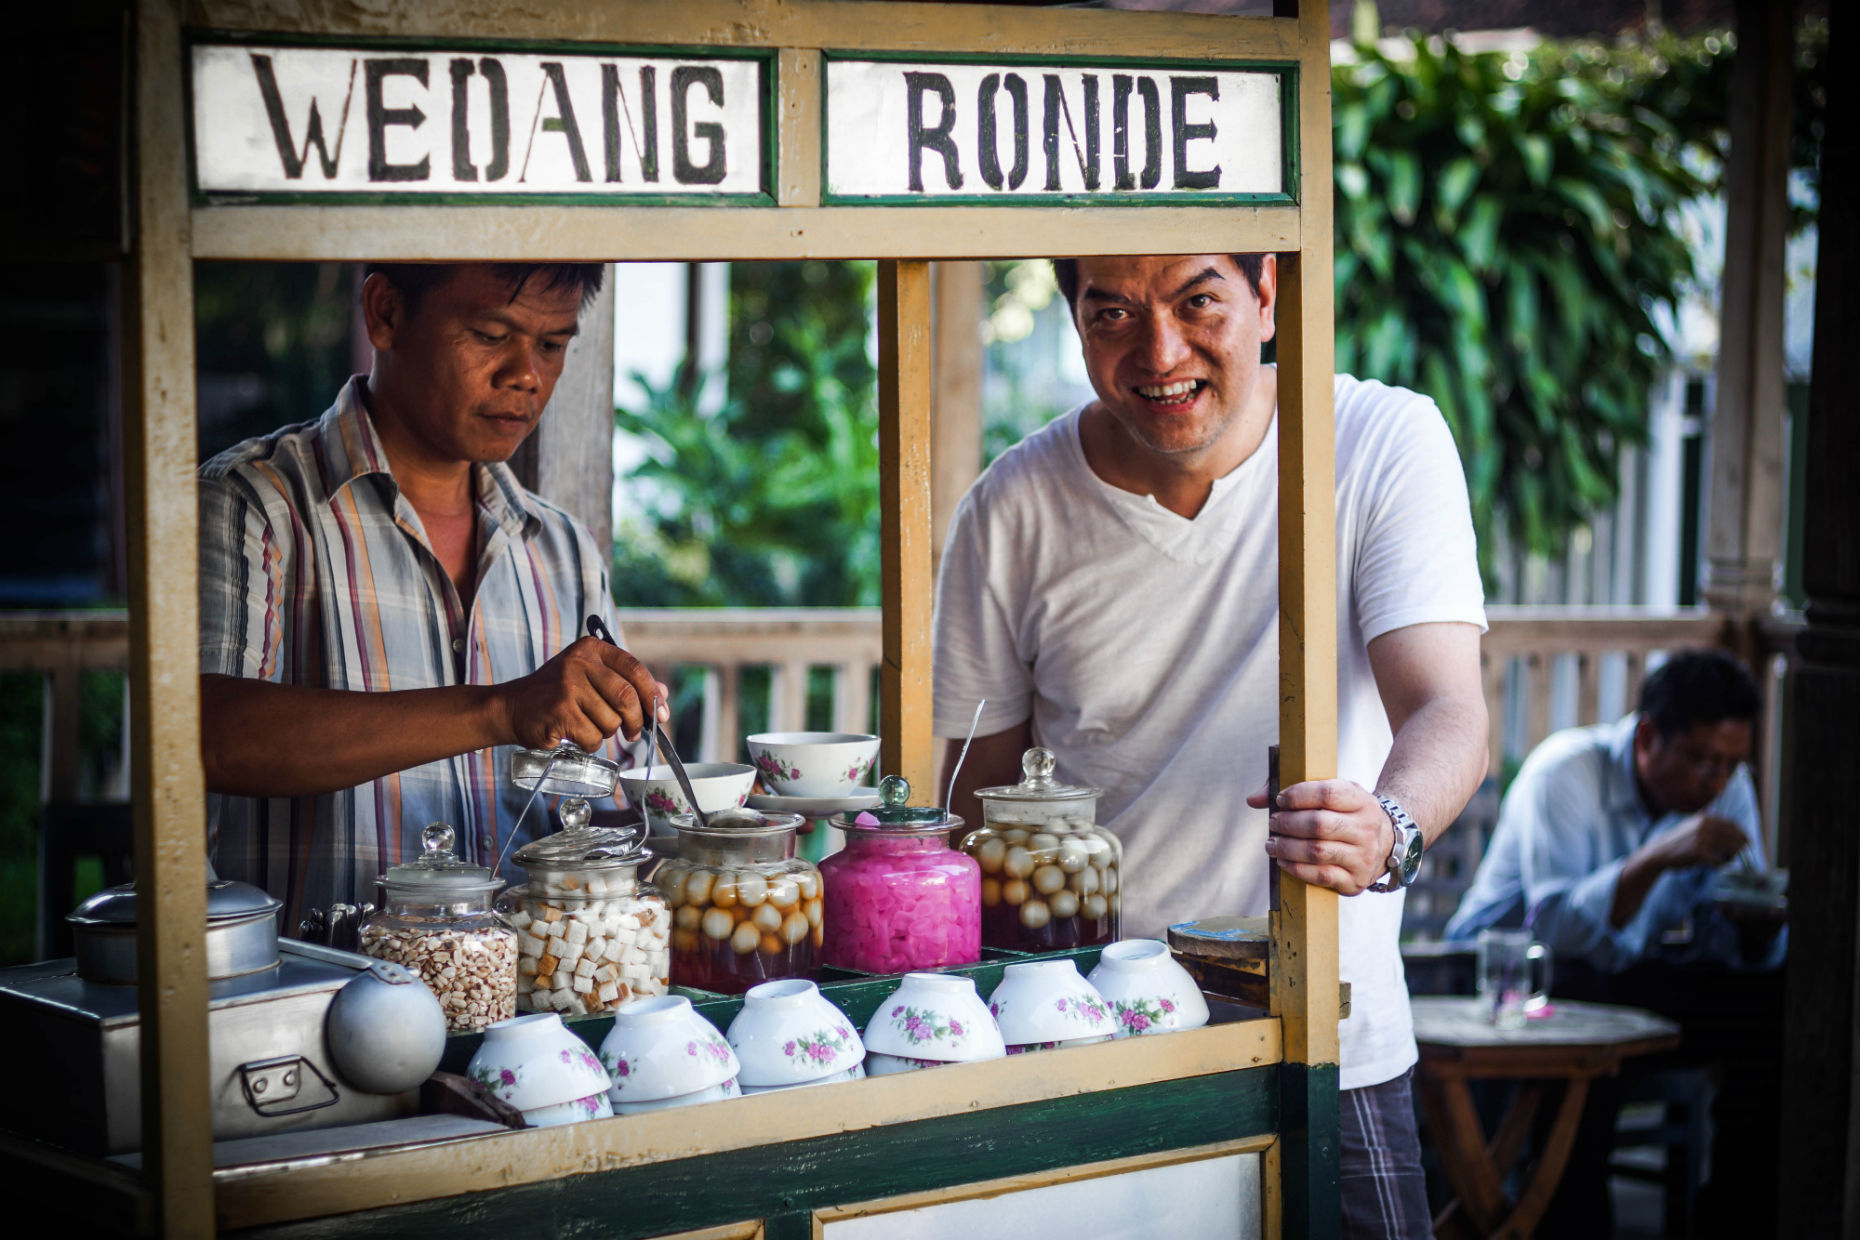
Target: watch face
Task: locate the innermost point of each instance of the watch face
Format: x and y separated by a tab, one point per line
1411	859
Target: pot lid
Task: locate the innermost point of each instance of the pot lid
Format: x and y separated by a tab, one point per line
438	866
1037	783
226	901
893	816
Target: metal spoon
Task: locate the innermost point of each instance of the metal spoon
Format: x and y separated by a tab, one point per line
598	629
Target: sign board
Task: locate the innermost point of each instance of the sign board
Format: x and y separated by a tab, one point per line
1031	131
287	122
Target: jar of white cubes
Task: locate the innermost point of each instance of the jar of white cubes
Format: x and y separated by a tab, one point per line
590	934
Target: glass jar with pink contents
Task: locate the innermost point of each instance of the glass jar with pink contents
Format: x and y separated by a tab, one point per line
899	898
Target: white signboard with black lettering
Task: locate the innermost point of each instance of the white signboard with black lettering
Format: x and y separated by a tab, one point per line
1011	131
290	121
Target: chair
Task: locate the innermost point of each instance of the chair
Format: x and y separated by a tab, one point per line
1680	1098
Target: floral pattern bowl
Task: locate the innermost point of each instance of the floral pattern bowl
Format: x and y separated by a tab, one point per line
789	1034
1148	990
712	1093
661	1048
594	1106
854	1073
934	1016
813	764
655	793
1047	1001
534	1062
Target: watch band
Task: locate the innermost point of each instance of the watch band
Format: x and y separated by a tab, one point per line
1399	872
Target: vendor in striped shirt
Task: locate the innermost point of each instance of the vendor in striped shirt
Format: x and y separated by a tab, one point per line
385	610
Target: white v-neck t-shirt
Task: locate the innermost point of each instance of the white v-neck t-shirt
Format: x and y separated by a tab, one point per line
1144	648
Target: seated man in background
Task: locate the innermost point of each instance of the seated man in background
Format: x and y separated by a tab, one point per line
1610	847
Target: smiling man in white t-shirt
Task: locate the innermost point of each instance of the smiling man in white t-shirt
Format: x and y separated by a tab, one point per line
1110	585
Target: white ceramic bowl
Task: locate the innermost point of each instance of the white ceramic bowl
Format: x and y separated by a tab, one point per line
534	1061
813	764
594	1106
1148	989
877	1064
1047	1001
854	1073
712	1093
1024	1048
788	1034
936	1016
718	785
661	1048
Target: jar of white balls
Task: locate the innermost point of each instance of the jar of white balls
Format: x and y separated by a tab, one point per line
1050	873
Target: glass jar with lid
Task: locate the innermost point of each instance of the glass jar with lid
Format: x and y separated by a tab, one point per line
1050	873
745	908
590	934
436	919
898	897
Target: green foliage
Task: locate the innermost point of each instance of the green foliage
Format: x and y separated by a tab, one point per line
773	499
1507	227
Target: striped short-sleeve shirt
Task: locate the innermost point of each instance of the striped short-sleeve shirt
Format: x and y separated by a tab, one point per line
316	571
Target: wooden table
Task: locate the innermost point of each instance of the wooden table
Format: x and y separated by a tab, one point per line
1574	1044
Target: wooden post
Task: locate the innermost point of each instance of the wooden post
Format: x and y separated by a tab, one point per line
1820	1183
159	443
569	460
1744	514
904	499
1304	928
956	393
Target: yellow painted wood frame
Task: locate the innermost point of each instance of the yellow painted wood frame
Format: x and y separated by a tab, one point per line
160	431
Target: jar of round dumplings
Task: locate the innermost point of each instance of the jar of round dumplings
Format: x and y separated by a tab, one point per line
591	935
1050	873
745	908
436	919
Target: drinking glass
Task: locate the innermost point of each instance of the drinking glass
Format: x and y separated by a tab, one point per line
1508	960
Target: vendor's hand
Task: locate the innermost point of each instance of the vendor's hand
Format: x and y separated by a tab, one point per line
1702	840
1329	833
585	694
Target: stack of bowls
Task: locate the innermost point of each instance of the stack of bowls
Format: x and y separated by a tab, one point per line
1148	989
1044	1005
661	1054
788	1035
930	1020
537	1066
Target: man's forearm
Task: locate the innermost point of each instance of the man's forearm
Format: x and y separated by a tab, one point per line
1436	762
263	739
1638	875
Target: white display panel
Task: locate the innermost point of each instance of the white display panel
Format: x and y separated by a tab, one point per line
1210	1199
908	131
318	120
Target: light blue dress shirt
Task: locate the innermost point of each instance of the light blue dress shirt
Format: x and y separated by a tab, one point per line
1569	821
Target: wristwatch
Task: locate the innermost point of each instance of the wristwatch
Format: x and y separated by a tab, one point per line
1405	857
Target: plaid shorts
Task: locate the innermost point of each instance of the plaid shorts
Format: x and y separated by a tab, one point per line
1384	1190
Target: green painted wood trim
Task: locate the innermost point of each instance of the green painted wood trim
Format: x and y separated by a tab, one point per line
1309	1149
856	994
785	1183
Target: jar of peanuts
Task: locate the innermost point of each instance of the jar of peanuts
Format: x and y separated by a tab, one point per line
436	919
590	935
1050	873
745	909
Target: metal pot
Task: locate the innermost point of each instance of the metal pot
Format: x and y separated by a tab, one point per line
242	933
385	1030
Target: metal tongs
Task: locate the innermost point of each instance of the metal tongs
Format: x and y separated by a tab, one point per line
663	744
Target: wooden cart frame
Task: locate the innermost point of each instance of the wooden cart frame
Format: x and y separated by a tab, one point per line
1276	1078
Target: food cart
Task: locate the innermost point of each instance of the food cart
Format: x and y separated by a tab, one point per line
737	129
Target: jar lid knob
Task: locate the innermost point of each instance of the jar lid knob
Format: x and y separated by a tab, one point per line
894	791
1037	765
575	814
436	842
